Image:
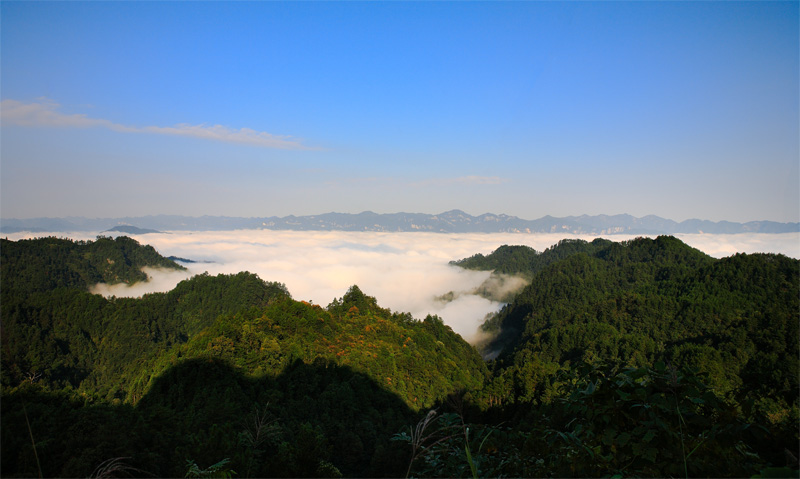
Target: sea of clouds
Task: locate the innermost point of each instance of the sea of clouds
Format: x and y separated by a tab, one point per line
405	271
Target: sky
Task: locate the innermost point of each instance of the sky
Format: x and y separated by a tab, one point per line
678	109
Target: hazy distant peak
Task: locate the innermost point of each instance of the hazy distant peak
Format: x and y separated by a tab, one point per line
453	213
452	221
130	229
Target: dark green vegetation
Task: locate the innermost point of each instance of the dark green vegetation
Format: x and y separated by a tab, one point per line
526	261
45	264
641	358
219	367
731	322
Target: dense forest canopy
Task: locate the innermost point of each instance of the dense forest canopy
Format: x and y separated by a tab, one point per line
44	264
645	357
526	261
638	303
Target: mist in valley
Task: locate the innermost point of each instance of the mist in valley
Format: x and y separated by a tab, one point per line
406	272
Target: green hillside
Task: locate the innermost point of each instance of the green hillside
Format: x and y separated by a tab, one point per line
128	356
732	321
641	358
44	264
651	300
526	261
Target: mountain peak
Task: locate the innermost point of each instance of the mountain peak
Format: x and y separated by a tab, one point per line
454	213
452	221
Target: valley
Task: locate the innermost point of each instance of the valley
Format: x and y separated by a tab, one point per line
638	358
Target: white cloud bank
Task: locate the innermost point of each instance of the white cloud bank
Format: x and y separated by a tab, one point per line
44	113
404	271
159	280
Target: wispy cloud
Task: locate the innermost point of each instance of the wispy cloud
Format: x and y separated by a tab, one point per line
462	180
44	113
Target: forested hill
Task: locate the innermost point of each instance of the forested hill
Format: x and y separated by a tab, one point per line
44	264
660	289
641	358
225	367
645	301
526	261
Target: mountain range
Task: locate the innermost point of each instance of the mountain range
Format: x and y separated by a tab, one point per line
454	221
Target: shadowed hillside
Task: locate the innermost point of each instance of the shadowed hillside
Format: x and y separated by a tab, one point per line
312	420
640	358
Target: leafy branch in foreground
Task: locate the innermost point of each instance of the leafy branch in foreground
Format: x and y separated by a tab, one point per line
423	444
221	469
259	429
115	466
449	446
651	422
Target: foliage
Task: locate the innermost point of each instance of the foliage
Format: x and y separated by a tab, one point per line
644	358
526	260
44	264
648	300
70	338
114	352
419	361
613	421
116	466
650	422
220	469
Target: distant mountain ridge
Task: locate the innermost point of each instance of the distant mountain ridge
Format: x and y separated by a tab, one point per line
132	230
454	221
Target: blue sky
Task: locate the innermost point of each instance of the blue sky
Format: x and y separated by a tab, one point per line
679	109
